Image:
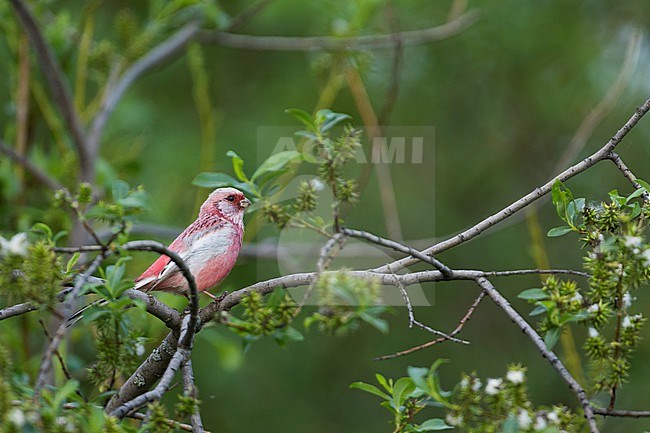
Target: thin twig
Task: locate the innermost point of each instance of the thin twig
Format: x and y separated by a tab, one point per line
285	43
622	413
327	254
392	91
555	362
616	159
190	389
459	328
600	155
399	247
413	321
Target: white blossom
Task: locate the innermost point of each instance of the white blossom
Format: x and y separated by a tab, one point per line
477	385
593	308
632	241
593	333
16	417
454	421
577	297
139	349
515	376
637	317
317	184
493	386
627	323
627	300
540	424
553	417
17	245
464	383
524	420
645	255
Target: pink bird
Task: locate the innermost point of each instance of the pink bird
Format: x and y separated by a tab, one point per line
209	246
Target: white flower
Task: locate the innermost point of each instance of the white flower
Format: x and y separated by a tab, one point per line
540	424
454	421
577	297
553	417
646	257
627	300
632	241
464	383
317	184
593	308
139	349
593	333
477	385
17	245
16	417
524	420
601	238
637	317
515	376
627	323
493	386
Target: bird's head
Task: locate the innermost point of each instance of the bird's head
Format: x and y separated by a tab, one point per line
230	202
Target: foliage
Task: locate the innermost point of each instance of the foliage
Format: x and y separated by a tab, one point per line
617	260
502	405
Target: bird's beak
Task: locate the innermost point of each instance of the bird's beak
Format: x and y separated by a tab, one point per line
245	203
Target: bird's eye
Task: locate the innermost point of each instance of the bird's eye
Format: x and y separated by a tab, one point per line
230	198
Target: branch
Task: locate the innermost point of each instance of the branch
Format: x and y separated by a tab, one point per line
113	95
618	162
448	273
602	154
191	390
287	43
38	174
541	347
622	413
180	355
56	82
459	328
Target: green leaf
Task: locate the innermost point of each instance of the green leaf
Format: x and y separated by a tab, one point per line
644	184
551	337
433	424
63	394
303	116
237	165
539	309
42	228
370	388
73	260
331	119
120	189
275	162
533	294
558	231
510	425
402	391
635	194
383	382
213	180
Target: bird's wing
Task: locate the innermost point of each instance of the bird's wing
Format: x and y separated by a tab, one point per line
160	270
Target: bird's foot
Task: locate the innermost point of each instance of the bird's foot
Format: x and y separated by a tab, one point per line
217	298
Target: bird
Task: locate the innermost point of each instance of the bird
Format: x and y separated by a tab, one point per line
209	247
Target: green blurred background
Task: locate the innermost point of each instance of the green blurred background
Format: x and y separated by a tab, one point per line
505	97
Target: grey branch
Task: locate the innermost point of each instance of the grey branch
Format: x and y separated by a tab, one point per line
181	354
448	273
622	413
618	162
602	154
56	82
580	393
38	174
155	57
287	43
190	389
